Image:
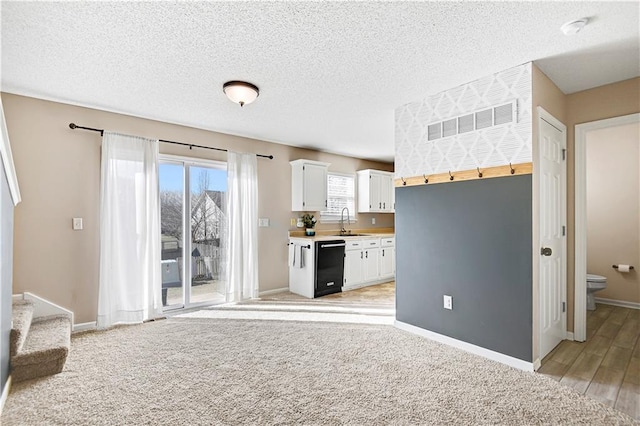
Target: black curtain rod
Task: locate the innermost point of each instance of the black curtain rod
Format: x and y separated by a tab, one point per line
190	145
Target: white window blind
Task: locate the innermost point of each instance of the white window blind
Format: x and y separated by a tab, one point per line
341	193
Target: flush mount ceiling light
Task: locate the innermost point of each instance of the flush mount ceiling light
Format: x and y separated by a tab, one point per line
574	27
241	92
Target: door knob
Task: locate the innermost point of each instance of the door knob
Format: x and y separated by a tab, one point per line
546	251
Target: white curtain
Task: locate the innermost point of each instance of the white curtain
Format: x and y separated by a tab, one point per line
130	282
242	187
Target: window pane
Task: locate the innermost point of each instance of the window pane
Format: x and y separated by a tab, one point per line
208	229
340	194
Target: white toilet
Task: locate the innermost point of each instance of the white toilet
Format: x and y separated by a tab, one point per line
594	283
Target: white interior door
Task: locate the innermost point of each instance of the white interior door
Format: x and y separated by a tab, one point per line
552	228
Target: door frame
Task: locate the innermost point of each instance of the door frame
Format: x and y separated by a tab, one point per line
546	116
580	219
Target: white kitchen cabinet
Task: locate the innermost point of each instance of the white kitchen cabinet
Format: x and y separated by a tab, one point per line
370	265
308	185
362	265
353	265
375	191
387	257
301	275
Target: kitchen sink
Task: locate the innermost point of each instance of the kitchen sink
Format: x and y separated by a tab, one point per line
350	235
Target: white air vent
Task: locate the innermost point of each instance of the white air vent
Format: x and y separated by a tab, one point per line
435	131
465	123
495	116
503	114
449	128
484	119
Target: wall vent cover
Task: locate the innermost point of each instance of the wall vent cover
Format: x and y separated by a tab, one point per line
435	131
465	123
482	119
449	128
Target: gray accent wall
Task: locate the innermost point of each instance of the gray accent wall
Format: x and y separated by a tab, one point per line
470	240
6	268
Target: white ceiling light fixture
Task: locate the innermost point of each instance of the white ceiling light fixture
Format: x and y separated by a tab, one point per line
241	92
574	27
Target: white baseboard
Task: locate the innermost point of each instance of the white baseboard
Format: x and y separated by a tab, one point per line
468	347
275	291
5	394
537	364
569	335
622	303
84	326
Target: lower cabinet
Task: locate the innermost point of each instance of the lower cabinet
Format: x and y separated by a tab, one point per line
370	264
353	267
365	263
387	257
387	262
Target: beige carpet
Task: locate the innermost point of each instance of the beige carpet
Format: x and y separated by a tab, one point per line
184	371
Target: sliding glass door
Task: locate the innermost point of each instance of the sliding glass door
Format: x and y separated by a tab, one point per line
193	198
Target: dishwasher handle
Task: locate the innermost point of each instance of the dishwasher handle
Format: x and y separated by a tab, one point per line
332	245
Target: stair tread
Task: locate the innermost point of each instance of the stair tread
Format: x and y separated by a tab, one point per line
48	337
22	316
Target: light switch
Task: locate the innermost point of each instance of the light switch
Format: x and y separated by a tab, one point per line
263	222
77	223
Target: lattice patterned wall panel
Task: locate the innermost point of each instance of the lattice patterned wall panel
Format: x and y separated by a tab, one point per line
416	155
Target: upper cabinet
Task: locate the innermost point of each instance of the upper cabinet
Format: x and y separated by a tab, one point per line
375	192
308	185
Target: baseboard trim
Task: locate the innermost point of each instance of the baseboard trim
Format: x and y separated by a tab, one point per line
569	335
5	394
274	291
621	303
468	347
537	364
84	326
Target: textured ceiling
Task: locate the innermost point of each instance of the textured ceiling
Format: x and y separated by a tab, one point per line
330	74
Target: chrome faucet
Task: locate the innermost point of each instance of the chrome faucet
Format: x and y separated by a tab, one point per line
342	230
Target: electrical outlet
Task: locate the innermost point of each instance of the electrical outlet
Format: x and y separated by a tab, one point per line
263	222
373	220
293	221
448	302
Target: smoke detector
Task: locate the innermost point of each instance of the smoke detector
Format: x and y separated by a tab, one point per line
574	27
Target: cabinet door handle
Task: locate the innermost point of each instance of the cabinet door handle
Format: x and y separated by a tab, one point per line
325	203
379	205
382	252
360	255
384	205
366	254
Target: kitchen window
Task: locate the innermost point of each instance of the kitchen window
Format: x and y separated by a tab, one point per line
341	192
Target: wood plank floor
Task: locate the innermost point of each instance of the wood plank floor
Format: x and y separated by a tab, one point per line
607	366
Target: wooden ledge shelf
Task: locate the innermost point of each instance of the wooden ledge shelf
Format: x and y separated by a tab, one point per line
489	172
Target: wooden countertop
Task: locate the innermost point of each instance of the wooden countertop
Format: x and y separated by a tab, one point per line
325	235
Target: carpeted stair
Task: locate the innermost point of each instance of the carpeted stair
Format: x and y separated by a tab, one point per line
39	346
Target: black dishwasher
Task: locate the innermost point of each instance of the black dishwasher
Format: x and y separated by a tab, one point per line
329	267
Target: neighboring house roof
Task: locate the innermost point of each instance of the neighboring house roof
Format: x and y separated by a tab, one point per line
218	197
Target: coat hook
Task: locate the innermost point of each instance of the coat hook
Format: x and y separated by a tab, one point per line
512	170
190	146
404	182
426	180
479	172
450	177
